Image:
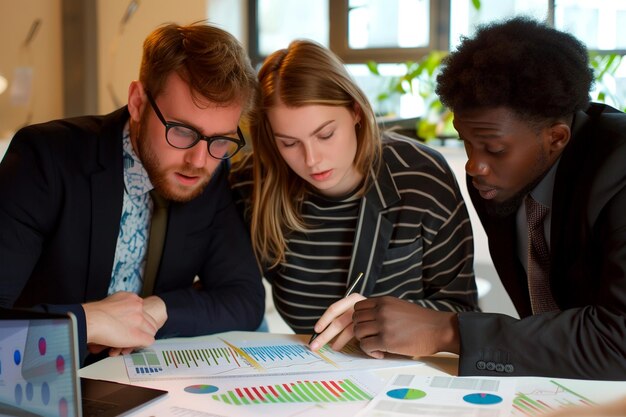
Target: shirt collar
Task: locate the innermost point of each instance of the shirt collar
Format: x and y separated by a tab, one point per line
542	193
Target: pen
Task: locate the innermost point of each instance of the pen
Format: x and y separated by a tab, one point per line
350	290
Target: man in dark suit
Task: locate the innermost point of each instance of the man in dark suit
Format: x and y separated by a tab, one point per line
79	200
520	94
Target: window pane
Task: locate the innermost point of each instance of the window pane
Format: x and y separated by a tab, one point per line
281	21
388	24
464	18
377	86
600	24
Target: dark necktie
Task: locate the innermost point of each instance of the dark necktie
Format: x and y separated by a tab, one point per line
158	226
541	299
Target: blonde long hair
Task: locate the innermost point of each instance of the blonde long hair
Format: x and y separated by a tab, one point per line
305	73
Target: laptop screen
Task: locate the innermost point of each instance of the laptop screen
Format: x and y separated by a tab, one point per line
37	365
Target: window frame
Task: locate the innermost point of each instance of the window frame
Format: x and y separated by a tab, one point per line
338	37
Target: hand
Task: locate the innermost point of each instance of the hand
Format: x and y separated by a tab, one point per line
119	321
336	320
389	324
155	307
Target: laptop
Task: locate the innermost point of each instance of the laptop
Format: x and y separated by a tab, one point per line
39	371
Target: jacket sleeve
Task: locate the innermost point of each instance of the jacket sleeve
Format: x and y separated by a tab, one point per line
586	342
28	209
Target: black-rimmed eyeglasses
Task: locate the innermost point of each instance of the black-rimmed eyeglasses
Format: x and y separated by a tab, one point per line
181	136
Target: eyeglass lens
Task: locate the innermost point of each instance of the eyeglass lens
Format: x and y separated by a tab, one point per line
183	137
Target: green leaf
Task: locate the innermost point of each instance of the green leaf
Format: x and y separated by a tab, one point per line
476	4
373	67
426	129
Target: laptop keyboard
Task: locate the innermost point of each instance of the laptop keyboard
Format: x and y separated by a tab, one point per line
94	408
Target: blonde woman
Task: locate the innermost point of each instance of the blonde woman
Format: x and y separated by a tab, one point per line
329	197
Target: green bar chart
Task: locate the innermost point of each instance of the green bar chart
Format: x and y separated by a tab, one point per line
544	400
300	391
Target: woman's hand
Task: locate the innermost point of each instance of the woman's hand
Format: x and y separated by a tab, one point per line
336	322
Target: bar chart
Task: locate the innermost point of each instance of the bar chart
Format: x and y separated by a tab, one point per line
550	396
234	356
301	391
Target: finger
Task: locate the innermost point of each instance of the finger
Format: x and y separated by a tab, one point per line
373	346
127	351
364	329
377	354
149	326
366	304
343	339
363	316
335	310
115	351
333	329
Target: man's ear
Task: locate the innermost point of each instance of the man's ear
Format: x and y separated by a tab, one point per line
136	100
560	134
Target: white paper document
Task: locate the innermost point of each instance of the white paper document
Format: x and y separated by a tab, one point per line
247	354
430	396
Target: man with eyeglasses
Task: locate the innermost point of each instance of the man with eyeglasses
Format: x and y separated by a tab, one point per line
127	220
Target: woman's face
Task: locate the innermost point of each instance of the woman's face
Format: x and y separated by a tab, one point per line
319	144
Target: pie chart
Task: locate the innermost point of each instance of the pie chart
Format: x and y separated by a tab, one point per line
201	389
482	399
406	394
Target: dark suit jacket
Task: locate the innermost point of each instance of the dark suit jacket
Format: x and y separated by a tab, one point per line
61	191
587	339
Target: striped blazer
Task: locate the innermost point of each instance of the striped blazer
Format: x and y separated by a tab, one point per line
410	235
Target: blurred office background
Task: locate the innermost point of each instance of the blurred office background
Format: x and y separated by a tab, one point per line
63	58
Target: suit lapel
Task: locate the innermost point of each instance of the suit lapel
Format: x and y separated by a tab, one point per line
373	231
106	205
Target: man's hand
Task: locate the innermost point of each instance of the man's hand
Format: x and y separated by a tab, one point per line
391	325
119	321
336	321
155	307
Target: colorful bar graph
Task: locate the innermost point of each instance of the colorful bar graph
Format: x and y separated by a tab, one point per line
304	391
542	401
147	362
236	356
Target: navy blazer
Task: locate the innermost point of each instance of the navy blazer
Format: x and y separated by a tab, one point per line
61	193
587	338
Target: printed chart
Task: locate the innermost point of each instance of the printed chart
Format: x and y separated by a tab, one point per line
299	391
544	396
278	354
321	394
443	395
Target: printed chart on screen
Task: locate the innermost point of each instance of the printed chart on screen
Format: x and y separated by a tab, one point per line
443	395
238	356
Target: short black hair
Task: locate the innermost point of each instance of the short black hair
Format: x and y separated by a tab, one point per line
534	70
